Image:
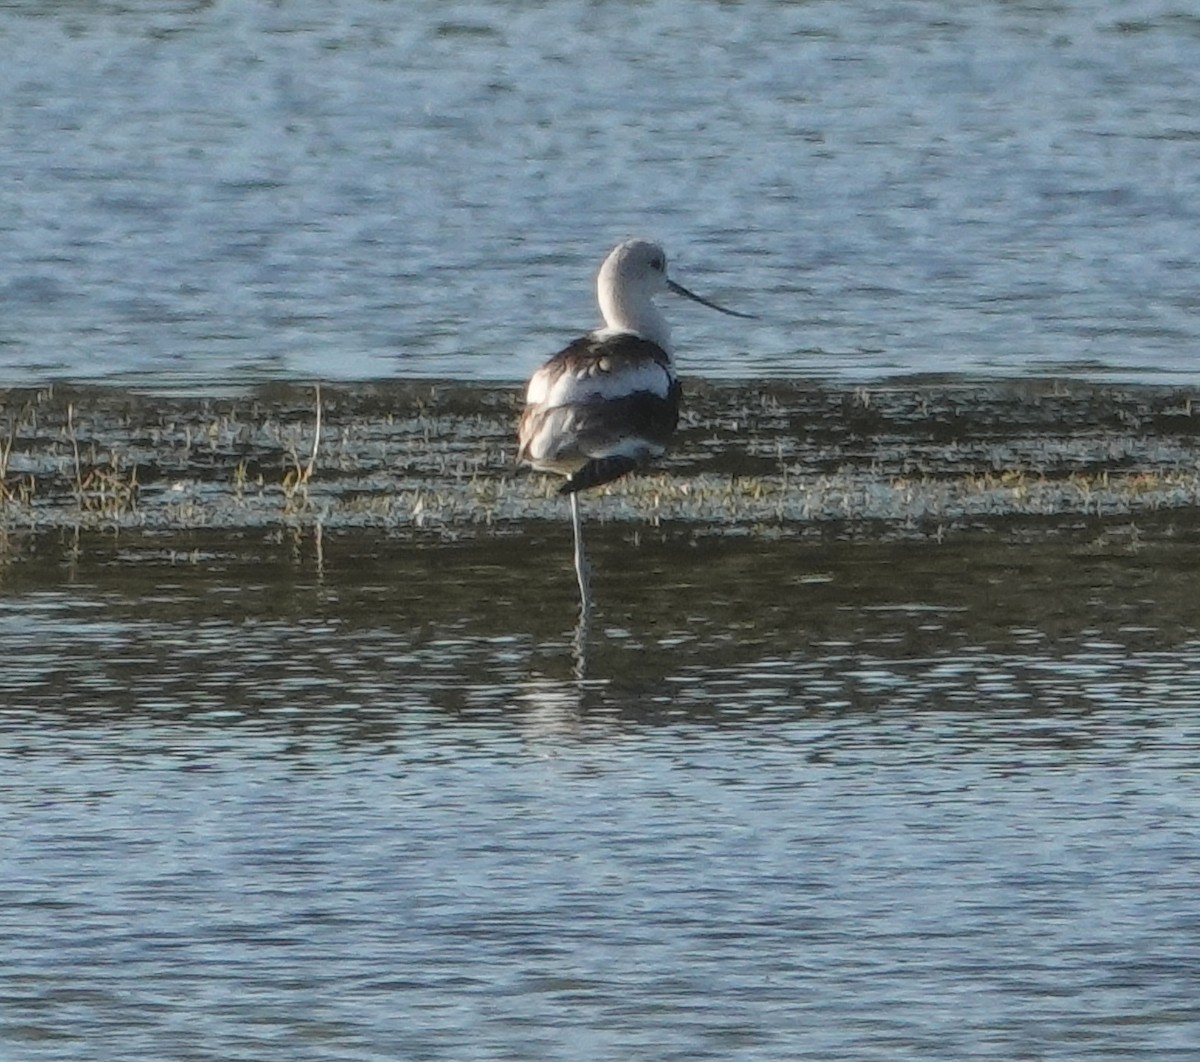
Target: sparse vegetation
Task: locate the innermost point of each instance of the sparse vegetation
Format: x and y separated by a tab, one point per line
773	461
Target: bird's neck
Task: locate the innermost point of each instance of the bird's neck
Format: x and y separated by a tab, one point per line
641	318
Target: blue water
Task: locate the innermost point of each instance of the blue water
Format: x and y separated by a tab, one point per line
290	799
255	806
200	193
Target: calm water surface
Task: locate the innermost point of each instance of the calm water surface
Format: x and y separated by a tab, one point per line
903	802
378	800
198	192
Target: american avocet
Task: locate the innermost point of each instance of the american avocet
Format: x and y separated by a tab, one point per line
608	402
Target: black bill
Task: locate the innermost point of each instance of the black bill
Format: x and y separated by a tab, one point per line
679	289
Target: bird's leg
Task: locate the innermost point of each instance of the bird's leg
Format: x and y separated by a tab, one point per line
581	565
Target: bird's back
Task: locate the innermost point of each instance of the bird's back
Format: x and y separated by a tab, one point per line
599	408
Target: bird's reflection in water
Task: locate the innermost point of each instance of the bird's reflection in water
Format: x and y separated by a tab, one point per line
581	639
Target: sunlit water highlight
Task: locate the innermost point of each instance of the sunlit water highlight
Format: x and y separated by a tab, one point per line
209	192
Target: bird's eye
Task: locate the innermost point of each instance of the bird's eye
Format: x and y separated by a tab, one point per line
657	264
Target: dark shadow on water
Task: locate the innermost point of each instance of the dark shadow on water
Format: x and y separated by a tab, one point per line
361	638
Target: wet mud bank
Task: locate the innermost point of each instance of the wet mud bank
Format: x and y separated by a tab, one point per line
434	460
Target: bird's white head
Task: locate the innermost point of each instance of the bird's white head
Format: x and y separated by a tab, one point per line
632	274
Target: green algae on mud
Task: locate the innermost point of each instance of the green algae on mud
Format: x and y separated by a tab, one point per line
434	458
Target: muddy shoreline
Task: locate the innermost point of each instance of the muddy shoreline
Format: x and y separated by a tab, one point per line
923	460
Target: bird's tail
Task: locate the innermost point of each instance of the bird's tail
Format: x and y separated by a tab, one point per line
597	472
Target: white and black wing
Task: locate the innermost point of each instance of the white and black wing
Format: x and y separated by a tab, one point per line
600	408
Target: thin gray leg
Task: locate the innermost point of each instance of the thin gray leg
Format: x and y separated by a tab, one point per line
581	565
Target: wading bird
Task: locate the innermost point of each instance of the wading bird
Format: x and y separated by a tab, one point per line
609	402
